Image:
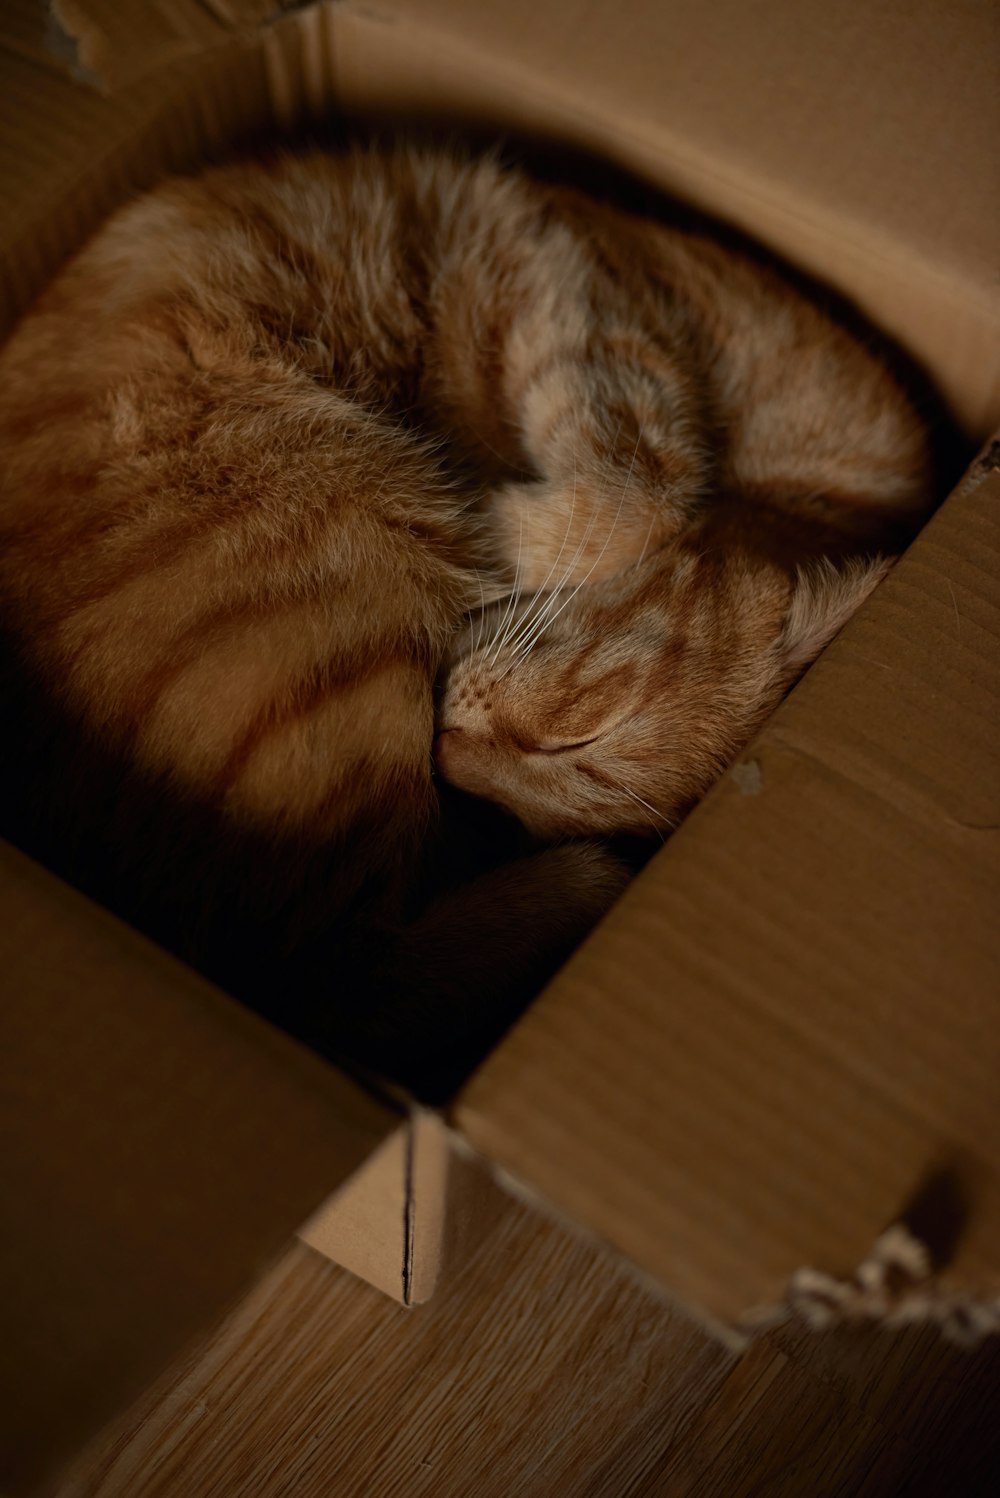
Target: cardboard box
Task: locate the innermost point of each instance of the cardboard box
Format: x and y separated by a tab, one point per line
788	1027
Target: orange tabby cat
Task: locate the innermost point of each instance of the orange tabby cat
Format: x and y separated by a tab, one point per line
275	433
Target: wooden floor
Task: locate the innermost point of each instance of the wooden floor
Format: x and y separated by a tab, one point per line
545	1370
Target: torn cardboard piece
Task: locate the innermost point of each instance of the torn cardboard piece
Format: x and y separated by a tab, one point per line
900	1280
893	1286
114	46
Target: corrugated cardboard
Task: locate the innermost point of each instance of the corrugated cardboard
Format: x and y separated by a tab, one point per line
69	153
858	140
159	1147
790	1019
414	1211
753	113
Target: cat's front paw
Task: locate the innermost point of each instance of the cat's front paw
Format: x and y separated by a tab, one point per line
550	534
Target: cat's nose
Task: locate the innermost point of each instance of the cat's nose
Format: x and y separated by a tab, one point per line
441	744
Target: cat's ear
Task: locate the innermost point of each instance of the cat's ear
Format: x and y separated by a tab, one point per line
823	599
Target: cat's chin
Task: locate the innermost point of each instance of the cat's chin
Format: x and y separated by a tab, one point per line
463	761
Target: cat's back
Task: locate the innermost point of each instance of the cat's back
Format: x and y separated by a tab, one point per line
253	258
223	560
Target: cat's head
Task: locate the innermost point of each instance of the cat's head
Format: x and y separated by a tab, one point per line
612	708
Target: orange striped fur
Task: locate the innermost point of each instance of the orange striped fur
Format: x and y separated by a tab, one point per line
279	431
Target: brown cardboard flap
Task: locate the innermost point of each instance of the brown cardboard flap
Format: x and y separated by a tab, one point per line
413	1214
362	1227
793	1016
69	155
857	139
159	1147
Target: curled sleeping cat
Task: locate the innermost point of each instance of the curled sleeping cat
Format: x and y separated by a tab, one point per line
280	431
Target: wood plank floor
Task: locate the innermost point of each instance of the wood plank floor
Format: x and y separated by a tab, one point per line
545	1370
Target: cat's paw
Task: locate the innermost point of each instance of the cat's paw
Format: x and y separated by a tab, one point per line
550	535
584	879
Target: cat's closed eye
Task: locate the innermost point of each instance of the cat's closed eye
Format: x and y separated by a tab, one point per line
700	655
558	747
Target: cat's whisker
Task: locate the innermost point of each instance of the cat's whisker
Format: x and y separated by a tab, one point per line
614	524
495	641
537	623
482	612
503	629
529	624
641	801
545	611
533	623
511	621
553	593
544	615
528	620
597	560
649	532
